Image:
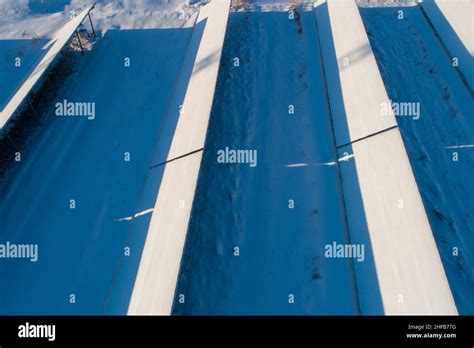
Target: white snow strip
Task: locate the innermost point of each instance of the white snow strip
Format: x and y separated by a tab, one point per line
129	218
192	125
460	146
297	165
453	20
59	40
410	275
346	157
363	90
155	284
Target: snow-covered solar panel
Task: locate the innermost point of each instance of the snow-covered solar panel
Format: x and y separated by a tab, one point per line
57	43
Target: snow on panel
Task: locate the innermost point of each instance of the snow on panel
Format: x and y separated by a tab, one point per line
192	125
57	43
410	274
453	20
155	284
378	175
363	91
